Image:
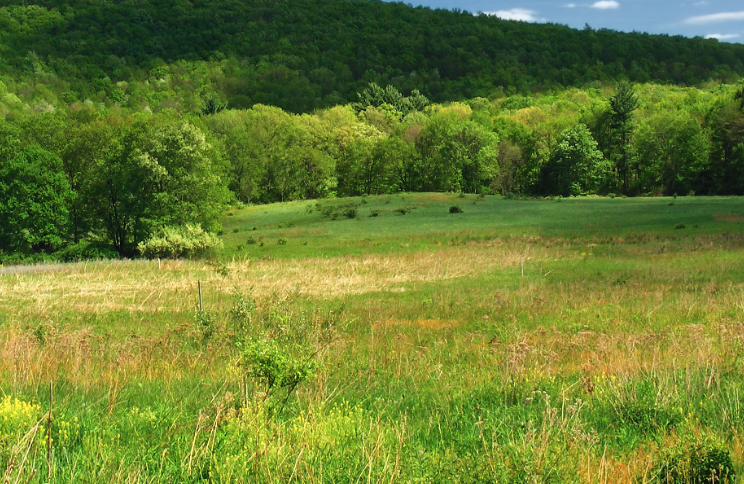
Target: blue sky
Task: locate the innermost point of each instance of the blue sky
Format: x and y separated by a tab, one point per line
723	19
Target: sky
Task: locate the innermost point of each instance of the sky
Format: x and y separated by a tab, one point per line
721	19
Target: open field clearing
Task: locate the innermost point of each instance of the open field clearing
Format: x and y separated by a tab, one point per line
397	347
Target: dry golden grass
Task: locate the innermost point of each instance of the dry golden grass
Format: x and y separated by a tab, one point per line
100	287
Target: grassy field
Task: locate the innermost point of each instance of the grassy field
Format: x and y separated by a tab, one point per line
385	339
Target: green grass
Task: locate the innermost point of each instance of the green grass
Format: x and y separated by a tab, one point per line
427	221
617	355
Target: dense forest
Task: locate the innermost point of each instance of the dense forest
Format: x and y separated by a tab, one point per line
304	54
125	124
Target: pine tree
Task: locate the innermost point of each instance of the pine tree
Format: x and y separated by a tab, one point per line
622	105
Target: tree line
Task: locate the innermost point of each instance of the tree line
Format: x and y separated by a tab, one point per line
88	181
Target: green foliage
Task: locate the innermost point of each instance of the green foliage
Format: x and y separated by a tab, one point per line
456	153
694	459
85	250
390	96
205	323
622	106
212	106
278	364
34	202
327	57
174	242
455	209
576	167
672	153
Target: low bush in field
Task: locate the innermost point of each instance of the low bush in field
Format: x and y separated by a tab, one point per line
85	250
175	242
694	459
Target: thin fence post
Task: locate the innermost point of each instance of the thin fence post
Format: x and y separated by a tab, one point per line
49	431
158	263
201	308
521	264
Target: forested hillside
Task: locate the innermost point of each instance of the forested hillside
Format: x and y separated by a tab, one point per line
304	54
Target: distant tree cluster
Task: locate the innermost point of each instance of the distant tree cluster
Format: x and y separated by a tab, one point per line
83	185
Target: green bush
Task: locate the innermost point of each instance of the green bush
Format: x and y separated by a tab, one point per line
85	250
175	242
276	364
455	209
694	459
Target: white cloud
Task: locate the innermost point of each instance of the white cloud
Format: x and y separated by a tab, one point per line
716	17
721	36
605	5
700	4
516	14
571	5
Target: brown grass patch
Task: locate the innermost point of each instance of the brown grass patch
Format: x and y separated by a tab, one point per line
728	217
435	324
139	286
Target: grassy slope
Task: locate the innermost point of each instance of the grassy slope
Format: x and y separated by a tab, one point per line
623	337
428	221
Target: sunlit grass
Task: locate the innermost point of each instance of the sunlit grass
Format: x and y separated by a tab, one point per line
622	343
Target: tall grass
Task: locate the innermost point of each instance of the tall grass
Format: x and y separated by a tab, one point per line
616	358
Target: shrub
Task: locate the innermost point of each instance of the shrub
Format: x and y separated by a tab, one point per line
242	315
350	213
282	241
85	250
694	459
455	209
175	242
277	365
251	241
680	226
205	322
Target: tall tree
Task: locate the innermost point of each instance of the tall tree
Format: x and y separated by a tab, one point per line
622	106
34	198
576	167
672	152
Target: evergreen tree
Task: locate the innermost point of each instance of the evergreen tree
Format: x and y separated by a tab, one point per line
622	106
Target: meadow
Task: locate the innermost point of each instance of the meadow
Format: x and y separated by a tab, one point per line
408	338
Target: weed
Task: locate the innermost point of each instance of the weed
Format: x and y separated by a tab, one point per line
221	269
205	323
694	459
455	209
